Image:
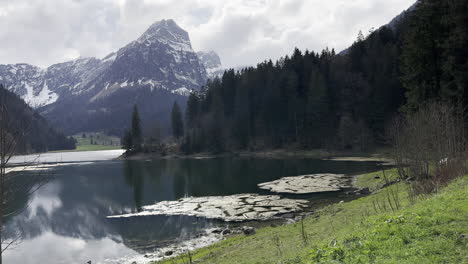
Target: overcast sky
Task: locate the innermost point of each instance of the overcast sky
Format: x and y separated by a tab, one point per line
242	32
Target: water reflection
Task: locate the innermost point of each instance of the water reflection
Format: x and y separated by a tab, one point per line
134	177
50	247
68	215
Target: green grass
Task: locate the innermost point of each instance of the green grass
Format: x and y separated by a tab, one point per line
95	147
375	180
96	138
93	141
384	227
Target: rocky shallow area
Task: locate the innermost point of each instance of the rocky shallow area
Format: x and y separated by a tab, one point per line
233	208
184	248
307	184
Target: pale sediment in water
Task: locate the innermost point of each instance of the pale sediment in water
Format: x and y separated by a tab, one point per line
40	167
306	184
234	208
177	249
384	161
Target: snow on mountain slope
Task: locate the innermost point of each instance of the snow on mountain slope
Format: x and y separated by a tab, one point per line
161	58
28	82
44	97
40	87
212	63
154	71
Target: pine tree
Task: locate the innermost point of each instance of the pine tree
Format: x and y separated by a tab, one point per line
177	123
423	53
127	141
216	120
317	108
241	125
455	61
360	37
136	132
192	112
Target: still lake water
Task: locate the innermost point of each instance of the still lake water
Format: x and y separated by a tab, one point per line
65	221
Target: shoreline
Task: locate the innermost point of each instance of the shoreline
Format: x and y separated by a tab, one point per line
180	250
270	154
300	242
229	231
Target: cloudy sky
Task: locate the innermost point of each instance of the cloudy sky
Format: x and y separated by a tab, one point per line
242	32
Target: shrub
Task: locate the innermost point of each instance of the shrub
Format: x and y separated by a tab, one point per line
429	146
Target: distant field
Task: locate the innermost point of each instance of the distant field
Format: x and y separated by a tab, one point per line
91	141
95	147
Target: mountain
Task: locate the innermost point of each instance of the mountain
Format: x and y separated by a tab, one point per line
213	66
39	87
162	58
212	63
37	134
91	94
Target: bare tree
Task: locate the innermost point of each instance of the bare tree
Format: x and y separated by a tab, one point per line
429	144
13	181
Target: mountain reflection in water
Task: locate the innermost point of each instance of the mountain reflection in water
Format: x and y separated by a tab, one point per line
65	221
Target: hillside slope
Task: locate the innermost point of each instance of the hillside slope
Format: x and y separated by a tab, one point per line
366	230
32	132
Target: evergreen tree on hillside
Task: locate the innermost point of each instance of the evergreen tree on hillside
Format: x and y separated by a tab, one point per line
435	53
423	53
455	63
216	121
177	123
37	134
192	111
340	100
318	108
127	143
241	120
136	131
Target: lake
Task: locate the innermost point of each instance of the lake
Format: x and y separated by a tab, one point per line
65	221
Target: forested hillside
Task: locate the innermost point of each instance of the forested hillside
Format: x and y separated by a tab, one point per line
311	100
30	130
336	101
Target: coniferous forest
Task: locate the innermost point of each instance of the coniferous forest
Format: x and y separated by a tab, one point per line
336	101
29	130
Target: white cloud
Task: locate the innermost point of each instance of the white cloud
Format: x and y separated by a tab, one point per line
243	32
64	249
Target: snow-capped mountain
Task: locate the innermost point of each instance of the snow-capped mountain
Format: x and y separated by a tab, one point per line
162	58
39	87
155	70
212	63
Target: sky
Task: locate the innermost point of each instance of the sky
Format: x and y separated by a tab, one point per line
242	32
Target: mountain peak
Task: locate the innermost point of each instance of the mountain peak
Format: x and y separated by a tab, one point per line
168	32
210	59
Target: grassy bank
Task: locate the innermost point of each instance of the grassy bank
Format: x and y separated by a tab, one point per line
93	141
385	227
95	147
89	148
